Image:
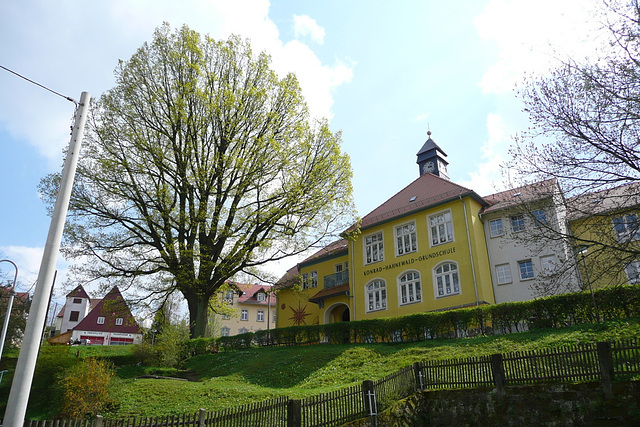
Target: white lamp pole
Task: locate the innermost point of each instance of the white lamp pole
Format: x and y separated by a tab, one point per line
23	377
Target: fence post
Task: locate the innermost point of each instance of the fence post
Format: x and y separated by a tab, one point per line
417	372
369	397
202	417
294	413
497	368
98	421
605	359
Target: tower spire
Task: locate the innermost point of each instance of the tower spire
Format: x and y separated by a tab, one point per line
432	159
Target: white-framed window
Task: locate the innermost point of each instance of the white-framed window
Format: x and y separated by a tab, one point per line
260	317
517	223
633	272
409	288
244	314
100	320
406	239
243	331
503	274
627	227
495	227
338	268
226	317
440	228
273	316
376	295
447	279
548	264
373	248
228	297
309	280
526	269
261	296
540	215
224	331
119	321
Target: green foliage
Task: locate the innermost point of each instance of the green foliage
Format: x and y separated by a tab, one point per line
620	302
229	379
86	389
200	163
52	362
17	318
166	350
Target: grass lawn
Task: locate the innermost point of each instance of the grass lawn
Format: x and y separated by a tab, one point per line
229	379
237	378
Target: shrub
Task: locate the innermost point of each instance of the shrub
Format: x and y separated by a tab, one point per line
86	389
168	349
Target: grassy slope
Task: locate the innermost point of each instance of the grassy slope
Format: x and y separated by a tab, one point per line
236	378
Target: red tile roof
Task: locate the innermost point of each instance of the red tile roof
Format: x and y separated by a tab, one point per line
112	306
426	191
4	293
331	249
329	292
250	292
527	193
78	292
604	202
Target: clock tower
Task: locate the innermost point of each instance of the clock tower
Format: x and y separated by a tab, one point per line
432	159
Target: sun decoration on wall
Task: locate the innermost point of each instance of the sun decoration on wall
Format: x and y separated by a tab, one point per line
299	315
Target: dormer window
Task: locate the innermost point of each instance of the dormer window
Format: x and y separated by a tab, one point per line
100	320
119	321
262	296
77	300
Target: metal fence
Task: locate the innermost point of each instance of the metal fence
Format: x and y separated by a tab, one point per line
602	362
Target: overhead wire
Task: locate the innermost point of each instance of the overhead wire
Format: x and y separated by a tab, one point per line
68	98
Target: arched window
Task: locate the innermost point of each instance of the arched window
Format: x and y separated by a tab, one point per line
376	295
409	288
447	280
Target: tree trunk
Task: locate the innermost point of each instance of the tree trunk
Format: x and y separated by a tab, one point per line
198	315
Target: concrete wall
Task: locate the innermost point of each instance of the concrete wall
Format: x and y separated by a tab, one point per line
548	405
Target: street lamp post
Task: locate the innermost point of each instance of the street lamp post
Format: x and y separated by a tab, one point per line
12	293
582	250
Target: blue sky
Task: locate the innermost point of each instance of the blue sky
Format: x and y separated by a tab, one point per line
383	72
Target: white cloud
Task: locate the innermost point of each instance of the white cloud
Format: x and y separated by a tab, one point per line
531	36
316	79
483	180
28	260
74	47
305	26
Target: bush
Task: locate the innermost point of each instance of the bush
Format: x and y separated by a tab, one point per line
168	349
619	302
86	389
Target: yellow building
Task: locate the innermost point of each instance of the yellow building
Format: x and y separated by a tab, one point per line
606	231
436	245
422	250
250	308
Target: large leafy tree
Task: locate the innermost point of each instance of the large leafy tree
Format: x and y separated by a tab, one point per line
202	163
588	112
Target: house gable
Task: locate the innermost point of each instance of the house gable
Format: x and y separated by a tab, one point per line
109	309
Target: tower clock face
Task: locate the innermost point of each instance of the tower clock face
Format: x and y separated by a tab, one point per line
428	167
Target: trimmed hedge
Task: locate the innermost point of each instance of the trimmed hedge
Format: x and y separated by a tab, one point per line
619	302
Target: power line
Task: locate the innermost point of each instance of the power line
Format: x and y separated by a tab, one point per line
68	98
